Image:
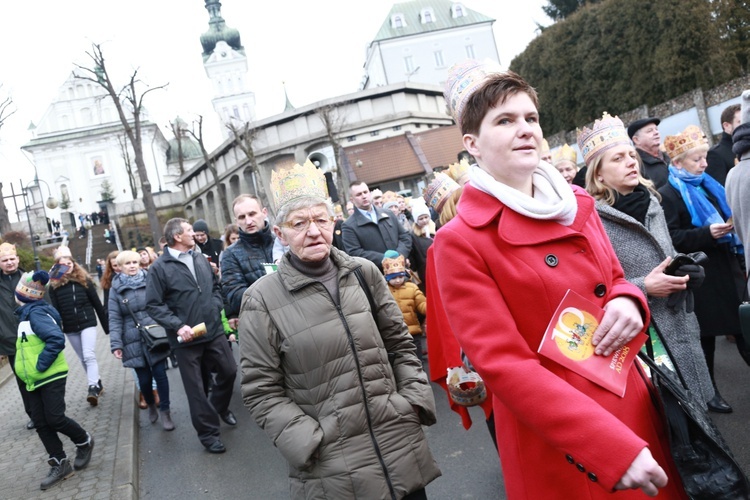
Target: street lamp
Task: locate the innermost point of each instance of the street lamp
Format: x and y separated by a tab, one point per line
51	204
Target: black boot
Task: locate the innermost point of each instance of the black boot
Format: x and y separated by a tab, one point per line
717	403
59	470
83	454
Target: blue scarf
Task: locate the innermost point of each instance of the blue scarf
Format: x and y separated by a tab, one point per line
133	281
693	189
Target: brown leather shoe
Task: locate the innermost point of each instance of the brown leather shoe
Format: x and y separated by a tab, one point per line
156	397
142	402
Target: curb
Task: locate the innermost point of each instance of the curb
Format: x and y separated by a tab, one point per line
125	485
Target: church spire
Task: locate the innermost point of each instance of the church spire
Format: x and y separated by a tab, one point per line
288	106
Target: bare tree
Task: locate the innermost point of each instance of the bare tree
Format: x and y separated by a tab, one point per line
334	123
131	122
211	166
5	113
179	132
244	137
125	154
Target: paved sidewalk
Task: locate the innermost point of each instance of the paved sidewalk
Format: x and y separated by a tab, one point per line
113	471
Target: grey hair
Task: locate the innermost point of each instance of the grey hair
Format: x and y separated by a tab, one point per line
173	227
303	202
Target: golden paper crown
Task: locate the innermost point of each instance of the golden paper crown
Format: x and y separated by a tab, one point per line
564	153
606	134
296	182
439	190
545	146
458	170
394	265
8	249
389	196
690	138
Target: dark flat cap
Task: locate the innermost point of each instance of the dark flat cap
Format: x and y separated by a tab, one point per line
639	124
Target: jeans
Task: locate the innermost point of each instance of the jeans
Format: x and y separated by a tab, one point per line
48	413
84	344
159	373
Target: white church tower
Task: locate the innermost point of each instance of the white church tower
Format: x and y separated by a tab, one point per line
226	65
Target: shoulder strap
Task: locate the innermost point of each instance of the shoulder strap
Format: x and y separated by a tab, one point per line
368	293
126	302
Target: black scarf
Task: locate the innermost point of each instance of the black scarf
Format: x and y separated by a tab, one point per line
634	204
261	238
741	139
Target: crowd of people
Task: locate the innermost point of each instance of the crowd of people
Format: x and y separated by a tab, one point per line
338	317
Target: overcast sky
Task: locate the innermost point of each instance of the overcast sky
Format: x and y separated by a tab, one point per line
316	48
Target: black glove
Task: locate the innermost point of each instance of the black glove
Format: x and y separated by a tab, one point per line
676	300
696	273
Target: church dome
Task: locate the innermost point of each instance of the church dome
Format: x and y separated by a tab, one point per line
218	31
190	149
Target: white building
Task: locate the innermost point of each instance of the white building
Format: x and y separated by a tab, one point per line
226	66
421	39
81	152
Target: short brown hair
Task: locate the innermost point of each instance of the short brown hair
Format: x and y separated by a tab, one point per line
244	197
493	93
727	116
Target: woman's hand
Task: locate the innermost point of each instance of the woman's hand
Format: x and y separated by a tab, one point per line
719	230
659	284
117	353
621	322
643	473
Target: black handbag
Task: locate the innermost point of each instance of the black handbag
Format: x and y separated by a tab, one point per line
154	336
705	464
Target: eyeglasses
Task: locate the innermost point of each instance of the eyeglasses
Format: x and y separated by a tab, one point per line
301	225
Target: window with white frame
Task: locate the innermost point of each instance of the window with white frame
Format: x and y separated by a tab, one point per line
458	10
439	59
408	64
470	52
427	15
398	21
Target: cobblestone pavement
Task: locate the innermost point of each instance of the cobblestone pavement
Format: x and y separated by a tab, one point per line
112	471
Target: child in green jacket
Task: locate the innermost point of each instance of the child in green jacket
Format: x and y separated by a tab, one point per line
41	365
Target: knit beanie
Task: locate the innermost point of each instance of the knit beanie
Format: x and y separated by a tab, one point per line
418	208
200	225
394	265
61	252
388	205
31	286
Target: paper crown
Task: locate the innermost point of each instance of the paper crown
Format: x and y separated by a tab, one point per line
296	182
393	265
606	134
691	137
31	286
458	170
8	249
564	153
464	79
389	196
438	191
545	146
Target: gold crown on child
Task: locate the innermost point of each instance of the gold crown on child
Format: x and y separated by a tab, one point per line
296	182
394	265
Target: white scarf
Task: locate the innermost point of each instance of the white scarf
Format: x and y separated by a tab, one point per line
553	197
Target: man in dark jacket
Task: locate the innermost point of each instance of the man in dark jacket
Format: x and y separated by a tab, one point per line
182	292
720	158
9	276
242	263
645	136
370	231
210	247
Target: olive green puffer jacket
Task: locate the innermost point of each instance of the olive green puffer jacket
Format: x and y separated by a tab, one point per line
317	378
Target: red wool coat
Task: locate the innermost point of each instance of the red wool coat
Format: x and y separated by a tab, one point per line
501	278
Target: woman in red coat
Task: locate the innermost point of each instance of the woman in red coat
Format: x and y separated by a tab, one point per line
521	239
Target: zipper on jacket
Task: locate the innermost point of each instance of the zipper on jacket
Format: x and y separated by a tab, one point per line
364	396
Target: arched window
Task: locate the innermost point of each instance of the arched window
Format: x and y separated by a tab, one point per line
398	21
458	10
427	16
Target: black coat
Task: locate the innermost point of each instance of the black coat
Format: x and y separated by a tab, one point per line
212	248
174	298
655	169
8	318
720	159
717	301
78	306
364	238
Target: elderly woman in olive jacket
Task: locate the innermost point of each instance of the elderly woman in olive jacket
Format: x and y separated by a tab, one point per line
335	385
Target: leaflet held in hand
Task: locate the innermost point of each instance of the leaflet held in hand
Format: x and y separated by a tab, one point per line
567	341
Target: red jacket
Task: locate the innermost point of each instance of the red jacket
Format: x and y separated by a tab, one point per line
501	278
